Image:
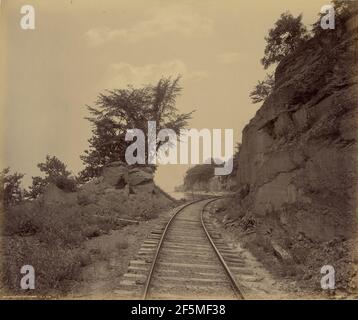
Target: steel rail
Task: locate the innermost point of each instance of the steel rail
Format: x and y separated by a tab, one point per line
150	275
234	284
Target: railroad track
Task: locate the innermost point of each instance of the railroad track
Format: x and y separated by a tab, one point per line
185	258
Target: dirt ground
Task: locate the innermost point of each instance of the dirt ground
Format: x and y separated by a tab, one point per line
269	286
110	255
294	280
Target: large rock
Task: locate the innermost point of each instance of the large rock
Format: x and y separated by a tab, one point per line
115	174
122	191
137	176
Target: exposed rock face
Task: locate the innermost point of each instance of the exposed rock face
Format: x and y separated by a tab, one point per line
298	157
301	145
114	173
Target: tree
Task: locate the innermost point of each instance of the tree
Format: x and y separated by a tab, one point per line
55	172
53	168
37	187
119	110
200	173
263	89
288	33
343	10
11	192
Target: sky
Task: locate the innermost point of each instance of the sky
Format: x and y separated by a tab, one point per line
80	48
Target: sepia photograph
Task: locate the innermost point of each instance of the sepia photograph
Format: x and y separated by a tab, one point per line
178	150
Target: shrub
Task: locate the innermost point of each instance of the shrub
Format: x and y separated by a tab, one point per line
56	267
50	238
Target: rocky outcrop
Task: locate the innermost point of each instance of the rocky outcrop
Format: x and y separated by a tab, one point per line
300	147
115	174
121	189
298	159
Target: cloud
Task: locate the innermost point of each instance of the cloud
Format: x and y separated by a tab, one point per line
123	74
173	19
228	57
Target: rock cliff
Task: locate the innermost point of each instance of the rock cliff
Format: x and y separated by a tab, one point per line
297	167
301	145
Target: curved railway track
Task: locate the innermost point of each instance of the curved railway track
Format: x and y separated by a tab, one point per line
185	258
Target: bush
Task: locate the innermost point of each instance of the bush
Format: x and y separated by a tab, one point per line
49	238
55	267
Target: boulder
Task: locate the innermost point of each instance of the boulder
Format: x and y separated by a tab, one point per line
137	177
115	174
